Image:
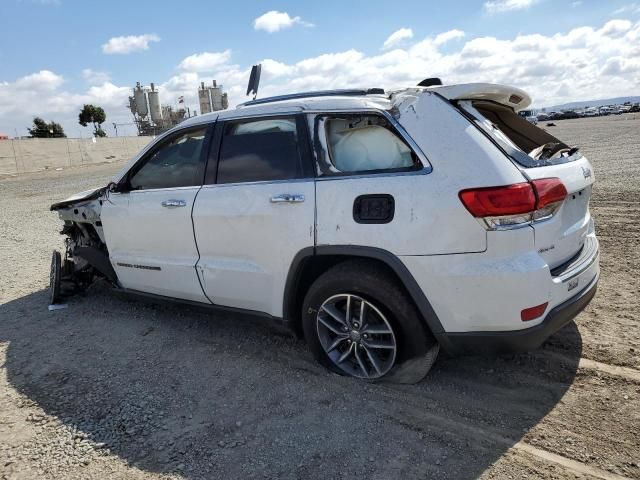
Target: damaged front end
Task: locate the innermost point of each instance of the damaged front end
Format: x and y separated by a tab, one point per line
86	257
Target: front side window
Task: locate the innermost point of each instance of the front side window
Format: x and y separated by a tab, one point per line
260	150
178	162
358	143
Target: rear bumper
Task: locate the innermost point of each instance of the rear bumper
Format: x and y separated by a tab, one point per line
519	340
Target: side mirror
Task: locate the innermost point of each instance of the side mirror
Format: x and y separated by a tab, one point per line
121	187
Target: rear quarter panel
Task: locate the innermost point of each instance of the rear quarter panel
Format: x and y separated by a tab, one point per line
429	217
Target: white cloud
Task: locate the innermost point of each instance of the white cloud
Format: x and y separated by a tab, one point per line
95	77
128	44
498	6
397	37
42	81
445	37
581	64
274	21
630	9
205	61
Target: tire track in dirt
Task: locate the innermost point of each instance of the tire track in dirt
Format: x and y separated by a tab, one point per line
464	431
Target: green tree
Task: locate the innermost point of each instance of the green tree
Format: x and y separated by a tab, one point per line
42	129
94	115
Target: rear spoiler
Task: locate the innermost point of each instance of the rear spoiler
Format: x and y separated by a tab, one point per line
509	96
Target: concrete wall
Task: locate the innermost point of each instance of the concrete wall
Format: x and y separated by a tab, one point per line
34	154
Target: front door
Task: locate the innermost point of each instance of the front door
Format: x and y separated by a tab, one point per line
148	226
255	212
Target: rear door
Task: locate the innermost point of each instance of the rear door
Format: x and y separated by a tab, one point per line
148	226
255	212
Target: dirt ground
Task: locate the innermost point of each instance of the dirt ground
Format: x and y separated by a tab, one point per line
116	387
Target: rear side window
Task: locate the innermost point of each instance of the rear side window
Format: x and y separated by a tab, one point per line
260	150
360	143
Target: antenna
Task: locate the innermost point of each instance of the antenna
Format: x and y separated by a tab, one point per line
254	80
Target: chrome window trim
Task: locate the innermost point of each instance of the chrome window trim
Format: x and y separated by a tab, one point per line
261	182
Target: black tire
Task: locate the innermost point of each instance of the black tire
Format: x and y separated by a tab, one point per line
54	278
416	348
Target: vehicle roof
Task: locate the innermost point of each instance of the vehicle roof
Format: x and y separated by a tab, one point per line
323	103
339	101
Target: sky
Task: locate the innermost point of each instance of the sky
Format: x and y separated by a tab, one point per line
56	55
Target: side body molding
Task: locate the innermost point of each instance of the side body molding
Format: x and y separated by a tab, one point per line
294	276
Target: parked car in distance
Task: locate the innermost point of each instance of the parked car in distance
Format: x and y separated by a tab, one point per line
568	115
529	116
380	227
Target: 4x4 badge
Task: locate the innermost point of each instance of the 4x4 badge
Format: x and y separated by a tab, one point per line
586	172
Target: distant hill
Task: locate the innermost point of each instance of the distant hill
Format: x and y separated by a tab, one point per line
593	103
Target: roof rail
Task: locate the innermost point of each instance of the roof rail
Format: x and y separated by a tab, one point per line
320	93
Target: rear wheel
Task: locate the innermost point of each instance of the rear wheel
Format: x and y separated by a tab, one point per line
359	322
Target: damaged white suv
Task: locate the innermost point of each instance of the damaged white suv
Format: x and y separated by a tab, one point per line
379	226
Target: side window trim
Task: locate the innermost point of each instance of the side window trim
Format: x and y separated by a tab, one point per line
161	143
304	145
313	117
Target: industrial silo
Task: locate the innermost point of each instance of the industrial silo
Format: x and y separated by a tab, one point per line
216	97
203	99
141	100
154	105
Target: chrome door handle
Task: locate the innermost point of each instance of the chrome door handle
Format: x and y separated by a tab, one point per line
174	203
287	198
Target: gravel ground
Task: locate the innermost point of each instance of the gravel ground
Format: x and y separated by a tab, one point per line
116	387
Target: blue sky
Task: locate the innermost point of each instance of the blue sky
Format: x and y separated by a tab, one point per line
342	43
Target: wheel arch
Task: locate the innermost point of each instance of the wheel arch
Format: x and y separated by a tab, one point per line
311	262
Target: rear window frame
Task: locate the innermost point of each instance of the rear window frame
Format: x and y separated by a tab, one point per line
514	153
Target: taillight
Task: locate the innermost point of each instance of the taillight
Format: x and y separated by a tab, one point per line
550	193
515	205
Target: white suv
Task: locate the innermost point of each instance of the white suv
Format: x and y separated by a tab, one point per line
379	226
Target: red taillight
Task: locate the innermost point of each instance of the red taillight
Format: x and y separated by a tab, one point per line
497	201
517	204
533	312
548	191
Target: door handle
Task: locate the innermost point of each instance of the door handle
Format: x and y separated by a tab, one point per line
287	198
174	203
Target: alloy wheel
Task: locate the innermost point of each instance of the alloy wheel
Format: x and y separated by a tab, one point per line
356	336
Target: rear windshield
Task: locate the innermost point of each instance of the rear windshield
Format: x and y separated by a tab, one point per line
527	144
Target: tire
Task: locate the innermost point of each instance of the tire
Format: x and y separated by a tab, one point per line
54	278
393	345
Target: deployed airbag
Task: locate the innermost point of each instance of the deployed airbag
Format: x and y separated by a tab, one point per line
370	147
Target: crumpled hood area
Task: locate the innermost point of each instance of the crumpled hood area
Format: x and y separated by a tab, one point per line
78	197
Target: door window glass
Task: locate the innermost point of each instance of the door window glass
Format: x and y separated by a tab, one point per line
176	163
260	150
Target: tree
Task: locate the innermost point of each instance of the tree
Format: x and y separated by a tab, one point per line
94	115
42	129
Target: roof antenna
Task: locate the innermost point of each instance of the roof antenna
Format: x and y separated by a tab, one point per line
254	80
